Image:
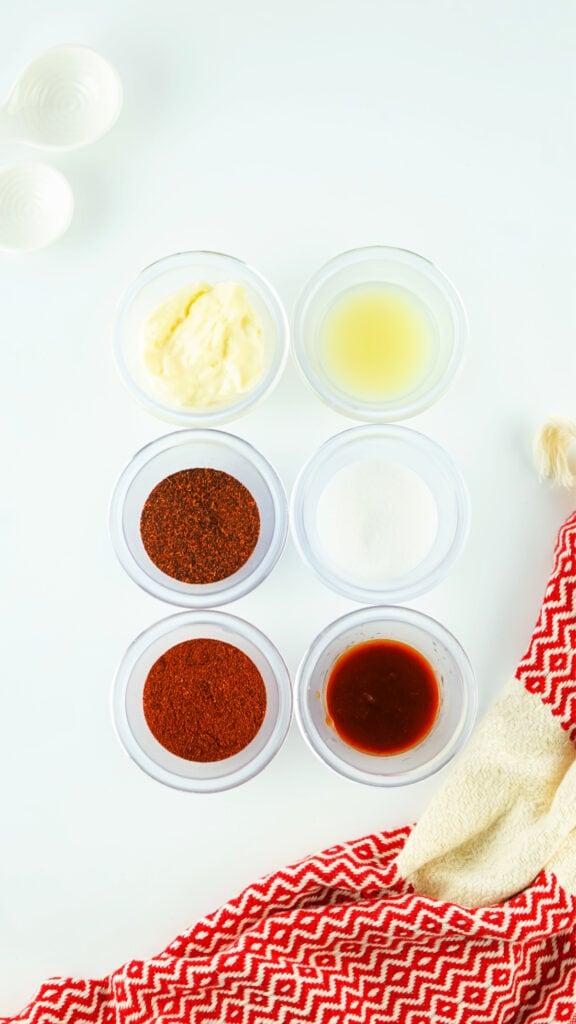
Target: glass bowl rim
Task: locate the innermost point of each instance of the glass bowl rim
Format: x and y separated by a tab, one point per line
164	591
363	616
397	409
383	595
188	417
236	626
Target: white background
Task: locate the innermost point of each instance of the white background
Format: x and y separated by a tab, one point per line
282	133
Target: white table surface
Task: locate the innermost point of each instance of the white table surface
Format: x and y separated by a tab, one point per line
283	133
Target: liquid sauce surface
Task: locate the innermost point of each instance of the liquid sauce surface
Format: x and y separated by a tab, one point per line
382	697
376	342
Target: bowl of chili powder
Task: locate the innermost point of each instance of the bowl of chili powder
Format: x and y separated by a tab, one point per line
198	518
202	701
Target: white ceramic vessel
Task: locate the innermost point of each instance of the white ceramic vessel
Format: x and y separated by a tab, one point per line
36	206
67	97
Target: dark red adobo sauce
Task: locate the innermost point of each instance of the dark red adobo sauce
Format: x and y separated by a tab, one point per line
382	697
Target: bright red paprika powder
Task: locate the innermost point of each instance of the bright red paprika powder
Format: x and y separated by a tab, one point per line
204	700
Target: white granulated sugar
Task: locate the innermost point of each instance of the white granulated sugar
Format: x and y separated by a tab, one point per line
376	520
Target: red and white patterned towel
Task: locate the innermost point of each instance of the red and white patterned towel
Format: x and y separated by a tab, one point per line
484	929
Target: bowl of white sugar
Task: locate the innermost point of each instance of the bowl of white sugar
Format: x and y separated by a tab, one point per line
380	513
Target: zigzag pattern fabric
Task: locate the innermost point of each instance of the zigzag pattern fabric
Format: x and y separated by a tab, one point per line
342	938
548	668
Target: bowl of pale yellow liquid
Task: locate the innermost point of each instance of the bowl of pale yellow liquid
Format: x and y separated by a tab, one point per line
379	333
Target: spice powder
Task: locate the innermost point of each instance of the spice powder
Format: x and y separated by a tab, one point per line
200	525
204	700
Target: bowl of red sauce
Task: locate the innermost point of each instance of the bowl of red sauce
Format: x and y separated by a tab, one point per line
202	701
385	696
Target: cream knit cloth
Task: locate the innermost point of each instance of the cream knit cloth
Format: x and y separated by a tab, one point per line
508	808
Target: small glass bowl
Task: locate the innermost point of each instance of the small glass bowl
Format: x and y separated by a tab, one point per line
189	449
407	448
458	696
404	270
160	280
141	745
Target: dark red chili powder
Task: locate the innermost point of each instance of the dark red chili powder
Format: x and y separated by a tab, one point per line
204	700
200	525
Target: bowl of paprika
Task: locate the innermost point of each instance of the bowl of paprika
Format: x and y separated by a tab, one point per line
198	518
202	701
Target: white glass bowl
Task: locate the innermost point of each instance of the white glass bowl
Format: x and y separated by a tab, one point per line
160	280
190	449
458	696
401	269
139	742
397	445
